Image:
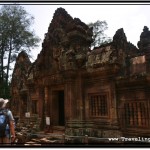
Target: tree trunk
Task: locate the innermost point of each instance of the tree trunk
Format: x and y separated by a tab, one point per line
8	65
2	90
2	64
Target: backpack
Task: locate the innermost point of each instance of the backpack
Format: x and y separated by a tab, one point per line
4	120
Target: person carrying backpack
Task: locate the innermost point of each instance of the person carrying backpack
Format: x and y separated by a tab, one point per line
7	129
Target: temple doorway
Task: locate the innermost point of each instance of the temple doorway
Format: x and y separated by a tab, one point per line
58	108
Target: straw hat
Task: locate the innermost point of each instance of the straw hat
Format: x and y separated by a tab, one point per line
3	102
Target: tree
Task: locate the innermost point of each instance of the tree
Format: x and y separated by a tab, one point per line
15	36
99	37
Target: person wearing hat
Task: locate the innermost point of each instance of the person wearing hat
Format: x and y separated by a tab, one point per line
6	139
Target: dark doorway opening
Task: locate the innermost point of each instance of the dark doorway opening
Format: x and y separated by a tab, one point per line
61	118
58	108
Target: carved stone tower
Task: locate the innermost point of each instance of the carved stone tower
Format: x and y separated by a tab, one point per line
144	46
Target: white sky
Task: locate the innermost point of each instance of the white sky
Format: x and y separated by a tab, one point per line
132	18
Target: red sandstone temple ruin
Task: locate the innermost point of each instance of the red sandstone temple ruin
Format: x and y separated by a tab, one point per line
102	92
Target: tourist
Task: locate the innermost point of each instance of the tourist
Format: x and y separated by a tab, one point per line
8	136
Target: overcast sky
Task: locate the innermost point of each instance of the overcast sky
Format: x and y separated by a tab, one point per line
132	18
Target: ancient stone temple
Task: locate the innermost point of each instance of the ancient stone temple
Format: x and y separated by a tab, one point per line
102	92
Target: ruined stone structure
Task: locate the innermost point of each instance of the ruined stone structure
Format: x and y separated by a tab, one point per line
102	92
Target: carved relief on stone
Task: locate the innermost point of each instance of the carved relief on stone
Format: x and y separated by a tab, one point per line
121	56
56	57
119	39
30	76
144	42
90	60
54	79
69	131
20	71
80	59
62	60
70	59
106	55
101	56
67	41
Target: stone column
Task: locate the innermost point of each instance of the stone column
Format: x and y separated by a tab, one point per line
113	113
80	98
41	98
114	105
68	95
20	106
46	100
29	101
45	107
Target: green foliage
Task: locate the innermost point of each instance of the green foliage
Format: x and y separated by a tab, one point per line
15	24
5	90
99	37
15	35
